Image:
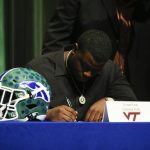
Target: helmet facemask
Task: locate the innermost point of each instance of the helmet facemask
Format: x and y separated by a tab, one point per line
8	101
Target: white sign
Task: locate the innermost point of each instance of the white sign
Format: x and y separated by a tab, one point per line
126	111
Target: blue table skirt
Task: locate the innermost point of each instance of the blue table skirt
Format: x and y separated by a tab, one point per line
74	136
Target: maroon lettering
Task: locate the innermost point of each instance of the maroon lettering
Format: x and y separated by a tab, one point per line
130	114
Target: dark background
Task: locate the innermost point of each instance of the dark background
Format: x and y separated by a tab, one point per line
24	25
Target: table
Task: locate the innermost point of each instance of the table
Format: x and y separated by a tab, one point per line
74	136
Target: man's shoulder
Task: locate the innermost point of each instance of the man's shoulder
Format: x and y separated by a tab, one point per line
110	63
111	67
49	58
47	64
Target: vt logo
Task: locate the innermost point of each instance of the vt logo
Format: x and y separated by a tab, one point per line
131	115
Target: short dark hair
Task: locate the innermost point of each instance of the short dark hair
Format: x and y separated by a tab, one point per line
97	43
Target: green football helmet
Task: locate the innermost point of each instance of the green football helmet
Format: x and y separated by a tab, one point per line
24	95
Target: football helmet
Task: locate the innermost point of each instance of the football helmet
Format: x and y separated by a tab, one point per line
24	95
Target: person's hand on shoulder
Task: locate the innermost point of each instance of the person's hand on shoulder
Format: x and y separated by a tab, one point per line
119	60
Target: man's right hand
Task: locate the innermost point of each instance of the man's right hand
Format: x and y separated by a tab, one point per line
61	113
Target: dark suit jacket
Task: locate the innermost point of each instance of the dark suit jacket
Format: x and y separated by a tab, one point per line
72	17
109	82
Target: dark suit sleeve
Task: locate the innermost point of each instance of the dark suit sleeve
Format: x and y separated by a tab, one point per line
119	88
61	26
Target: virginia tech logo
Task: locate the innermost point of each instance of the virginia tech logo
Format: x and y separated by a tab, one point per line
131	115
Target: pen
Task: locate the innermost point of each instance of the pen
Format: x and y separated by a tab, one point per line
70	105
68	102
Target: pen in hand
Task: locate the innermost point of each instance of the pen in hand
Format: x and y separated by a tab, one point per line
69	104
